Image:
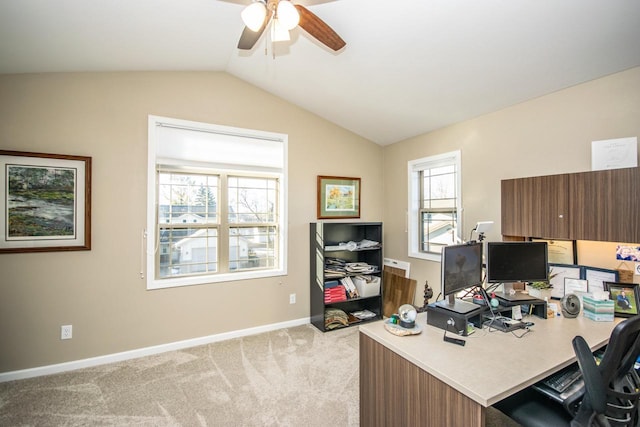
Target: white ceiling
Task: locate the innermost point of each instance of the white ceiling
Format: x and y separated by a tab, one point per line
409	67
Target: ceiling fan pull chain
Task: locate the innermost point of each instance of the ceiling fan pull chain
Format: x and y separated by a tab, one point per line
269	39
271	42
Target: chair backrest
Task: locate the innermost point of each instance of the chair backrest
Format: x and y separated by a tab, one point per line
618	374
623	349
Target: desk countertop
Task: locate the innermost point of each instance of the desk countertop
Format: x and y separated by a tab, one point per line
493	365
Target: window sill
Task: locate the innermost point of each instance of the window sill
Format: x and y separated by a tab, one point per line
426	257
177	282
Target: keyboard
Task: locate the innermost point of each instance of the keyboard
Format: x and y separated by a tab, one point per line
561	380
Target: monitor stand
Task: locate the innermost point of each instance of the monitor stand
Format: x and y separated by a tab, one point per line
459	306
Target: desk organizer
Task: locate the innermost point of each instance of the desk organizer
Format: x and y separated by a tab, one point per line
598	310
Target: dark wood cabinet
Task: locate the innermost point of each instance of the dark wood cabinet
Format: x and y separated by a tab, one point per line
596	205
605	205
330	241
536	206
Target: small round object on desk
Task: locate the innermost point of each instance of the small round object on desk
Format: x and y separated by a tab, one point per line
408	315
407	325
494	302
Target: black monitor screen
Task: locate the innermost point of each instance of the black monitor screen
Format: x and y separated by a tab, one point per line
509	262
461	267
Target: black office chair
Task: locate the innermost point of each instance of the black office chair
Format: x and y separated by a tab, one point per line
610	394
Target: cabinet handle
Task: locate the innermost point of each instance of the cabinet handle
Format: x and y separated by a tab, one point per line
560	216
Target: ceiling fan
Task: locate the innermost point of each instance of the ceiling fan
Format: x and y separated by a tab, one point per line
283	16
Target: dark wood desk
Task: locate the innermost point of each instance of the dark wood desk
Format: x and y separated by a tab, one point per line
421	380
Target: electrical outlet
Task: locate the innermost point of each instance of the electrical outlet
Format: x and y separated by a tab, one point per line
292	298
66	332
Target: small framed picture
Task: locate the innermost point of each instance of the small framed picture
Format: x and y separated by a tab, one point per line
338	197
572	286
625	297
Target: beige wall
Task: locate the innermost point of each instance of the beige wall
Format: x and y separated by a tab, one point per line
548	135
105	116
100	291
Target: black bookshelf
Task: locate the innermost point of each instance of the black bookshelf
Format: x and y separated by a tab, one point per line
325	242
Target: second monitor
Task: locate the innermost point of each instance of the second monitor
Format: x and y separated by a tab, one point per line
509	262
461	268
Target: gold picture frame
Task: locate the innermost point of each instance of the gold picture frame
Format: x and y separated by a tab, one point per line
46	202
338	197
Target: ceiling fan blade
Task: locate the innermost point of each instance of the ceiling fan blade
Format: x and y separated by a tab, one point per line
249	38
319	29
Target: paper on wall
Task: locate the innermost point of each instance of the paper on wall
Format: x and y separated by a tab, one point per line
614	153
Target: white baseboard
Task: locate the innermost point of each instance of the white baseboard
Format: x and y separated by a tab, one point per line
147	351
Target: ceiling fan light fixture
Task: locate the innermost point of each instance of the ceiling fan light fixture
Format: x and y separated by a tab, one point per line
279	32
277	18
253	15
287	14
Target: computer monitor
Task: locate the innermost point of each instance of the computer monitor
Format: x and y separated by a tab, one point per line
461	268
509	262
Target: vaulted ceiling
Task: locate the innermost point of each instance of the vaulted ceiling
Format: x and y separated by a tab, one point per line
409	66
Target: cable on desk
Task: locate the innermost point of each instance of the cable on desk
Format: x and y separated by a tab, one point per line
526	331
494	317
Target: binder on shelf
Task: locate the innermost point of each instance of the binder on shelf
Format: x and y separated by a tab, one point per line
334	293
352	292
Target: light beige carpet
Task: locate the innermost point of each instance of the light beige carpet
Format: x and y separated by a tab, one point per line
290	377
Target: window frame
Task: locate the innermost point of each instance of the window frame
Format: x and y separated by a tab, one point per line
186	166
171	226
414	226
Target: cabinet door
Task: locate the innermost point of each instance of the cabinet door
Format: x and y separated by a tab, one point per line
535	207
605	205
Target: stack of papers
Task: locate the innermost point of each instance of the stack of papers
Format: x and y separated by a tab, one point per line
353	246
335	268
363	314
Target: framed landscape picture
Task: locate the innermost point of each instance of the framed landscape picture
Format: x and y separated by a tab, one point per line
338	197
46	202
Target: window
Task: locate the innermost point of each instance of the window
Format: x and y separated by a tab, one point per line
216	204
434	204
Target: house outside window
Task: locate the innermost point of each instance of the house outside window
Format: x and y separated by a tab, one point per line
434	204
215	213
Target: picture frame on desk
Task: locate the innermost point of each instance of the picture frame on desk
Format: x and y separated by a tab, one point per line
558	273
625	296
575	286
338	197
46	202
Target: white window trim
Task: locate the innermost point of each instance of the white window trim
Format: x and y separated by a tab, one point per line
413	226
150	232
